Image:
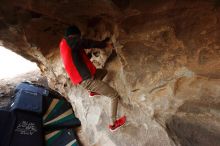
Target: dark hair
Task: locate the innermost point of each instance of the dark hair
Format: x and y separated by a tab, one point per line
72	30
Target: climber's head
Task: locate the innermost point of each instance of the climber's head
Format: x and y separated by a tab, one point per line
72	30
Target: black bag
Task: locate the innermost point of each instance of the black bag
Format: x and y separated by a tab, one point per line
23	123
28	129
54	106
7	124
35	113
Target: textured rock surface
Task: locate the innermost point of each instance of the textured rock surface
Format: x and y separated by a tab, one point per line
166	65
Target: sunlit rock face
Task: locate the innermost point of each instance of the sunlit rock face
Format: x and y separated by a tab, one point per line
165	65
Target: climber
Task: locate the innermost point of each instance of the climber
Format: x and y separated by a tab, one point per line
82	71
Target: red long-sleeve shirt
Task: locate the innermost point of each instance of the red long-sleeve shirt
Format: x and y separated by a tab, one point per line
76	62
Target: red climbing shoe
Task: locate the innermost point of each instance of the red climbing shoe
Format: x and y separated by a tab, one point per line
117	124
91	94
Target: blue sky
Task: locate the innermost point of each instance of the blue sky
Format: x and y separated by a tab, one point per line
12	64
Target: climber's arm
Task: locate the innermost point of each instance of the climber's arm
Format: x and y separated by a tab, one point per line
86	43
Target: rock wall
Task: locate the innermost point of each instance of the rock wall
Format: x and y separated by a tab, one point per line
165	64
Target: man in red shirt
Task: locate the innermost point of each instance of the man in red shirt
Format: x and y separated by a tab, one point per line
82	71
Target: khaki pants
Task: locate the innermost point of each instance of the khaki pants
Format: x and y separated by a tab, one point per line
102	88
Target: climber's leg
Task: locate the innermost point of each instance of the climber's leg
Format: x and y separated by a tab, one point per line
103	88
100	74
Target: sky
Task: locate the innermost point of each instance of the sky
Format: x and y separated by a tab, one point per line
12	64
